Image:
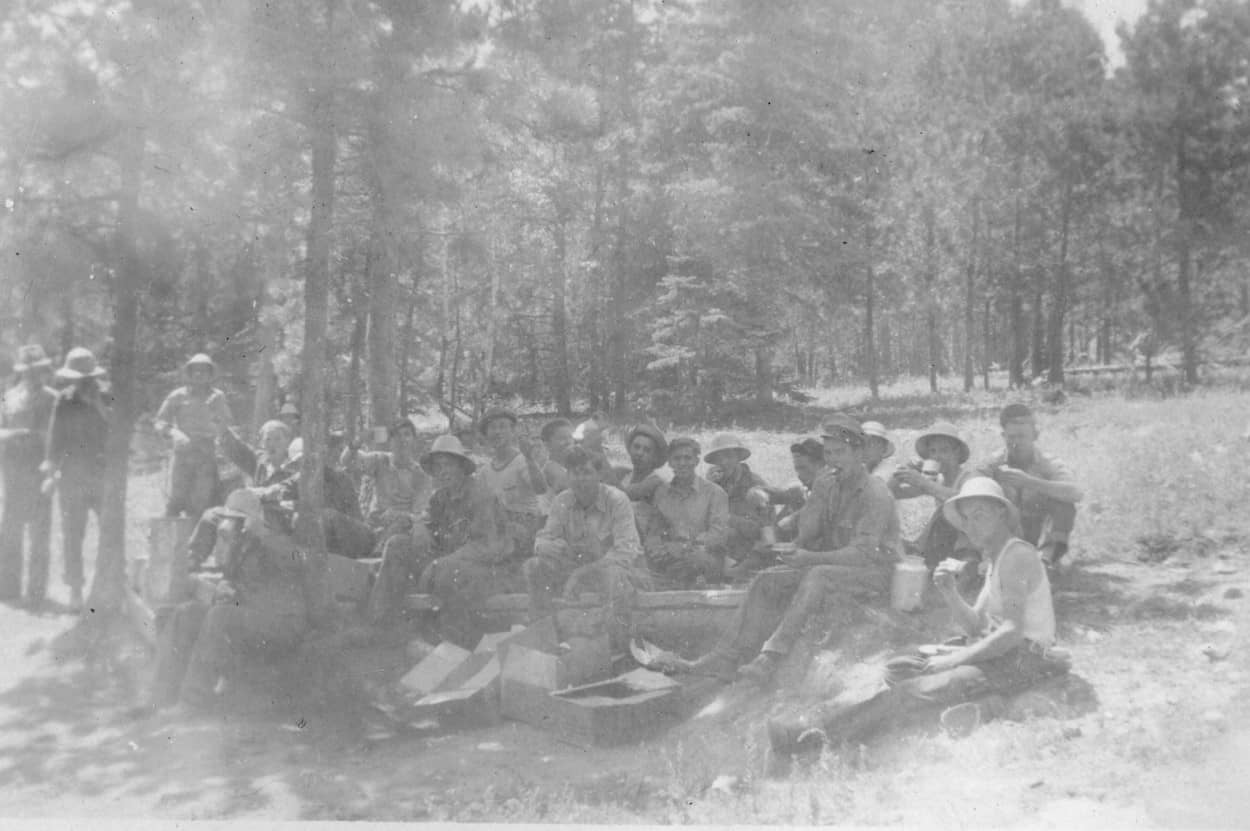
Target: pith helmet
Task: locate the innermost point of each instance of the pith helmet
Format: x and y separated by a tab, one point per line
447	445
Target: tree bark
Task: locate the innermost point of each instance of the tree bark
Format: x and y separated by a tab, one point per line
561	386
870	291
930	278
1184	262
1059	300
107	588
360	326
970	273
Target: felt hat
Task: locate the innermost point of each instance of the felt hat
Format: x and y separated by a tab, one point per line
811	448
875	429
447	445
79	363
979	487
723	443
842	428
289	409
492	414
199	359
31	356
244	504
653	433
943	429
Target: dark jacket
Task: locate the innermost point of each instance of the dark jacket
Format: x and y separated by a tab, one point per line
77	435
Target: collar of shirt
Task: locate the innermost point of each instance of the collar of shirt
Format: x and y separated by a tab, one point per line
854	480
600	504
687	490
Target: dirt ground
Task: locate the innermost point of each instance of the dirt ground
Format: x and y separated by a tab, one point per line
1153	730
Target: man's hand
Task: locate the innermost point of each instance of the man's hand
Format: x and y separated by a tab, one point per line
800	558
945	573
911	477
581	575
1014	477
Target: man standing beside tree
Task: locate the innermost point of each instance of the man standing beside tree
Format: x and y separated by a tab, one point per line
25	415
192	417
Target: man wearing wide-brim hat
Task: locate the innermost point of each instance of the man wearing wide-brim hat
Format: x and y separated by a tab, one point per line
941	443
847	546
77	441
878	446
24	417
461	552
192	417
258	608
1010	634
749	508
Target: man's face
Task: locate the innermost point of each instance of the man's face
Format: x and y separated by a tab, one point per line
448	472
983	518
584	482
727	461
274	443
805	468
199	375
875	451
500	432
404	440
683	461
291	420
944	451
841	456
1020	436
643	453
560	443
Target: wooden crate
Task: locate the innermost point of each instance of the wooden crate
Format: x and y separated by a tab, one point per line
531	674
617	711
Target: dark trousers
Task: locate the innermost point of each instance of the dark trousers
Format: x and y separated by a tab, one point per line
900	695
1046	520
545	578
25	509
404	556
199	643
193	479
463	585
79	493
780	602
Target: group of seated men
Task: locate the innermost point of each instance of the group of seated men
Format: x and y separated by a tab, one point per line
557	520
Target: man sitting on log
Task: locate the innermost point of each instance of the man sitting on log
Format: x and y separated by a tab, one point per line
648	451
192	417
515	476
400	488
461	551
808	457
1010	629
590	543
557	436
749	509
942	444
685	540
847	545
1039	484
259	605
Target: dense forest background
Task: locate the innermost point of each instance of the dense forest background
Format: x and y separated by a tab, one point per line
634	205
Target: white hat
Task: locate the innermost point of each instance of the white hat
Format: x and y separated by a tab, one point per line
978	487
877	429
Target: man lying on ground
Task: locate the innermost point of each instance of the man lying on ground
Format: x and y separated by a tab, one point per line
847	545
1038	484
258	607
685	540
939	540
590	543
1010	629
461	551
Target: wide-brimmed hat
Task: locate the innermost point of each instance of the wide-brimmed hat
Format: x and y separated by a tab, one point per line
447	445
79	363
723	442
978	487
946	430
653	433
199	359
876	430
31	356
842	428
492	414
244	504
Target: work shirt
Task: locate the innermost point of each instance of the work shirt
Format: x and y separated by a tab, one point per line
603	531
745	519
698	512
200	417
1034	507
852	513
77	434
468	520
396	487
512	484
27	411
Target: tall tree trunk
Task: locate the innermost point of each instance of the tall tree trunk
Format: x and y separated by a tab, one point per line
987	344
360	325
323	140
405	352
484	388
930	279
763	375
1059	301
381	335
870	291
561	383
1038	331
107	588
1186	227
970	274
